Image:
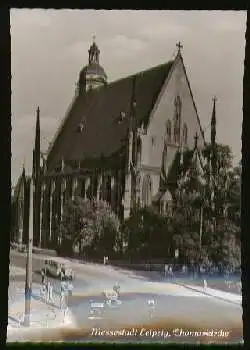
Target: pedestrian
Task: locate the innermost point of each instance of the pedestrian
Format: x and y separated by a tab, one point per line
47	292
70	288
116	289
62	294
165	270
43	291
51	292
170	271
62	276
43	276
104	260
205	285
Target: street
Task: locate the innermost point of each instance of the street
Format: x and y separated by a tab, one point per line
176	306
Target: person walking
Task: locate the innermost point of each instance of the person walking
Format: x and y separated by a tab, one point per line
50	292
116	289
70	288
170	271
43	276
165	270
204	285
62	295
43	291
47	292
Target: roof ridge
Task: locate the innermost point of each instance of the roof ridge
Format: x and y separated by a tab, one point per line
140	72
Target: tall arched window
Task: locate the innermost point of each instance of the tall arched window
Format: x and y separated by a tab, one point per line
139	147
177	119
168	131
185	133
146	191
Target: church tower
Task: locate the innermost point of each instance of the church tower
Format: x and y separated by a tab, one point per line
93	75
36	179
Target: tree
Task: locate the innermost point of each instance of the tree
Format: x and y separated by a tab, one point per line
91	225
194	216
148	235
223	242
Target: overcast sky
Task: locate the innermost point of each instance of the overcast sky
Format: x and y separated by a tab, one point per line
49	47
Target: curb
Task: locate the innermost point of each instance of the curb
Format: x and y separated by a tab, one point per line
208	294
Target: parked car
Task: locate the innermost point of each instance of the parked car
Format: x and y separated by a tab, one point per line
58	267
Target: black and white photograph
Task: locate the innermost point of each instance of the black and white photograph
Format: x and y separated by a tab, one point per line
126	176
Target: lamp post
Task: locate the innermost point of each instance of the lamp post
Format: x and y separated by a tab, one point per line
28	280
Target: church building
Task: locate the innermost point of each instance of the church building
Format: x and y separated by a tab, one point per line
123	141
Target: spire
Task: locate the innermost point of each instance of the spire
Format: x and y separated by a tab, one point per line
37	149
94	52
23	172
213	138
213	123
37	139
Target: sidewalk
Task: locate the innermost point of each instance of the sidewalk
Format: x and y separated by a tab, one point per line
218	294
43	316
16	271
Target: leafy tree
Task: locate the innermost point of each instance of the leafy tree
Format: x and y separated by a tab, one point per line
195	192
148	234
92	225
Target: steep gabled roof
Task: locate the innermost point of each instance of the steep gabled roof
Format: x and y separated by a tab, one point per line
99	112
192	97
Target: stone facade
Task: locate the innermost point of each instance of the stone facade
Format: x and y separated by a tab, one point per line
129	174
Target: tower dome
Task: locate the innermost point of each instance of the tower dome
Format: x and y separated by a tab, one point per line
93	75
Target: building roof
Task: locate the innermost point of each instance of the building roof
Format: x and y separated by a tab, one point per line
97	113
92	68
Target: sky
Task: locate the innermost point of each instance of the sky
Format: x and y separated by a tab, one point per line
49	48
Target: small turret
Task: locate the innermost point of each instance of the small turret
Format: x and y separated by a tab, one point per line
93	75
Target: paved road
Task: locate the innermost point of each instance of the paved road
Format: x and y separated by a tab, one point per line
176	306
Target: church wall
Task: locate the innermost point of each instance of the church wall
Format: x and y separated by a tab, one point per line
164	109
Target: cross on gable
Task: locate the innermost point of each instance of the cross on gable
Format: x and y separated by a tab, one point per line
179	46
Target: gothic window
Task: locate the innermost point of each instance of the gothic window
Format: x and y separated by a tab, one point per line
139	152
153	140
168	131
146	191
185	134
177	116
